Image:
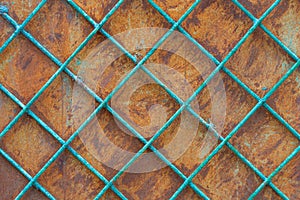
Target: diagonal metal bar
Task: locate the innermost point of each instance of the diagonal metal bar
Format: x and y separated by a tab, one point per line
202	86
158	133
243	158
75	78
8	127
229	73
21	27
82	160
271	35
60	140
268	180
247	162
161	156
265	104
81	46
115	114
242	122
26	174
52	159
184	105
3	9
251	112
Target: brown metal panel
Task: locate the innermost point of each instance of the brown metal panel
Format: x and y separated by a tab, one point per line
218	26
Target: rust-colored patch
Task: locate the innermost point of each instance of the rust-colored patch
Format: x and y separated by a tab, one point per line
284	23
20	10
19	69
257	59
270	139
134	14
6	31
29	144
218	26
223	170
97	10
12	181
288	179
61	30
286	100
34	194
173	8
256	7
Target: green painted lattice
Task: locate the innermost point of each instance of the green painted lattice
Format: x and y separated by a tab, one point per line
176	25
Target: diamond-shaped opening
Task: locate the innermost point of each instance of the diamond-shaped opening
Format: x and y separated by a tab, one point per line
284	23
9	110
12	181
57	101
19	10
224	103
149	107
103	130
256	7
6	30
54	106
286	100
97	10
59	28
287	179
69	178
197	147
82	182
29	144
144	104
227	176
22	64
101	66
264	141
174	9
182	67
178	63
217	25
152	185
61	115
260	62
132	15
104	140
33	193
147	110
87	154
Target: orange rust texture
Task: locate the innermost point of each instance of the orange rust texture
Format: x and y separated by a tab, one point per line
218	26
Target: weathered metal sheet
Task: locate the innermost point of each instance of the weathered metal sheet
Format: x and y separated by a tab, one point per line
218	26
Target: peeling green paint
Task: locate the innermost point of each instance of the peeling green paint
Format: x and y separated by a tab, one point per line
297	79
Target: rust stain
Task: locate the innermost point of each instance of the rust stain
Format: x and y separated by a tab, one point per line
218	26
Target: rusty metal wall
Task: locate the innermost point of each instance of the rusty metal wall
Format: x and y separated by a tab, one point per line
217	25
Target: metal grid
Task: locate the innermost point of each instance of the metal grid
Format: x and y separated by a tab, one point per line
188	181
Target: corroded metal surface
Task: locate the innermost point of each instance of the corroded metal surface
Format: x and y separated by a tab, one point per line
218	26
